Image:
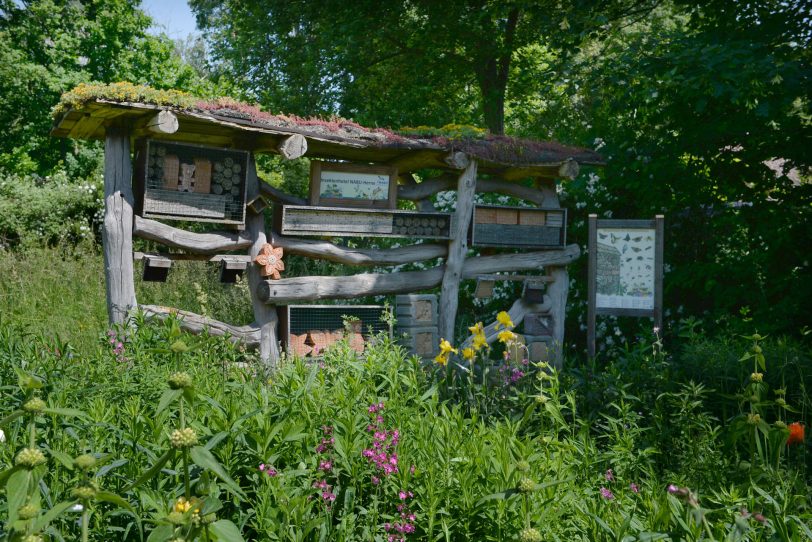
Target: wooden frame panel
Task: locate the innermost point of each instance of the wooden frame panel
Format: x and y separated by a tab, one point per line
656	312
318	168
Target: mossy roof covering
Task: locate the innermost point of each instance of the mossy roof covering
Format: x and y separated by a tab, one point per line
85	111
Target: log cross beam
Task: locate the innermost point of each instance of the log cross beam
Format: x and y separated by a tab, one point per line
457	247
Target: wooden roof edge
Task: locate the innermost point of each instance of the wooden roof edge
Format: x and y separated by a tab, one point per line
407	144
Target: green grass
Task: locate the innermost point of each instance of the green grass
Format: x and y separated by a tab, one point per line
60	293
54	293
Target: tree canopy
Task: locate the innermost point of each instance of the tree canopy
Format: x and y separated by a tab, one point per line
49	46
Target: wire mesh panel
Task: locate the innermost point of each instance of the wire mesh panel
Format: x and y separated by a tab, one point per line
308	329
193	182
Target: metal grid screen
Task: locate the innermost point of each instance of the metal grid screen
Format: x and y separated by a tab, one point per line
311	328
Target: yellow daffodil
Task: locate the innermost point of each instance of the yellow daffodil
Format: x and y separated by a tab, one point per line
468	353
445	348
503	320
441	359
506	336
477	329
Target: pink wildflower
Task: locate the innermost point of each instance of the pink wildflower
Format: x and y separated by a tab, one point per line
607	494
634	488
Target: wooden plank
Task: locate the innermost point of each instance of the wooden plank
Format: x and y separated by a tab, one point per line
457	247
264	315
202	243
118	225
300	289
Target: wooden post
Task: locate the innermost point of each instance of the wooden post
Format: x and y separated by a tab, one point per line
264	315
592	276
457	247
558	291
659	231
117	235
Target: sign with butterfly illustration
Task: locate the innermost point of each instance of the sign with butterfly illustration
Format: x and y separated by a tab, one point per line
625	269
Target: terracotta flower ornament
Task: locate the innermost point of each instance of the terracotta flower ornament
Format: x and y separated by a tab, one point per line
270	260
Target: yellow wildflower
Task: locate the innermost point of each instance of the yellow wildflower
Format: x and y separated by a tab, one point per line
441	359
468	353
477	329
445	348
479	342
506	336
182	506
503	320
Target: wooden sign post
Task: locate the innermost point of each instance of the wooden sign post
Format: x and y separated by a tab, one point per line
625	270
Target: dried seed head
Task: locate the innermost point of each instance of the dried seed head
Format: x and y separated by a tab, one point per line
179	347
529	535
30	458
753	419
756	377
34	405
526	485
83	493
179	381
29	511
522	466
84	462
780	424
183	438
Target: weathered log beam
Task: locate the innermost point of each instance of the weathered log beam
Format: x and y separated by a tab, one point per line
299	289
292	147
164	122
202	243
325	250
457	247
192	257
429	187
424	205
197	324
277	195
117	234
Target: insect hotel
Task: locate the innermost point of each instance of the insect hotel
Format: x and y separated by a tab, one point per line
169	165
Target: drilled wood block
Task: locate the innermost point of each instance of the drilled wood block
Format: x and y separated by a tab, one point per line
507	216
202	175
485	215
539	351
171	172
532	217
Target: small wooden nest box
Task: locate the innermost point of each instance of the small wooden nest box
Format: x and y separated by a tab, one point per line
231	268
156	268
